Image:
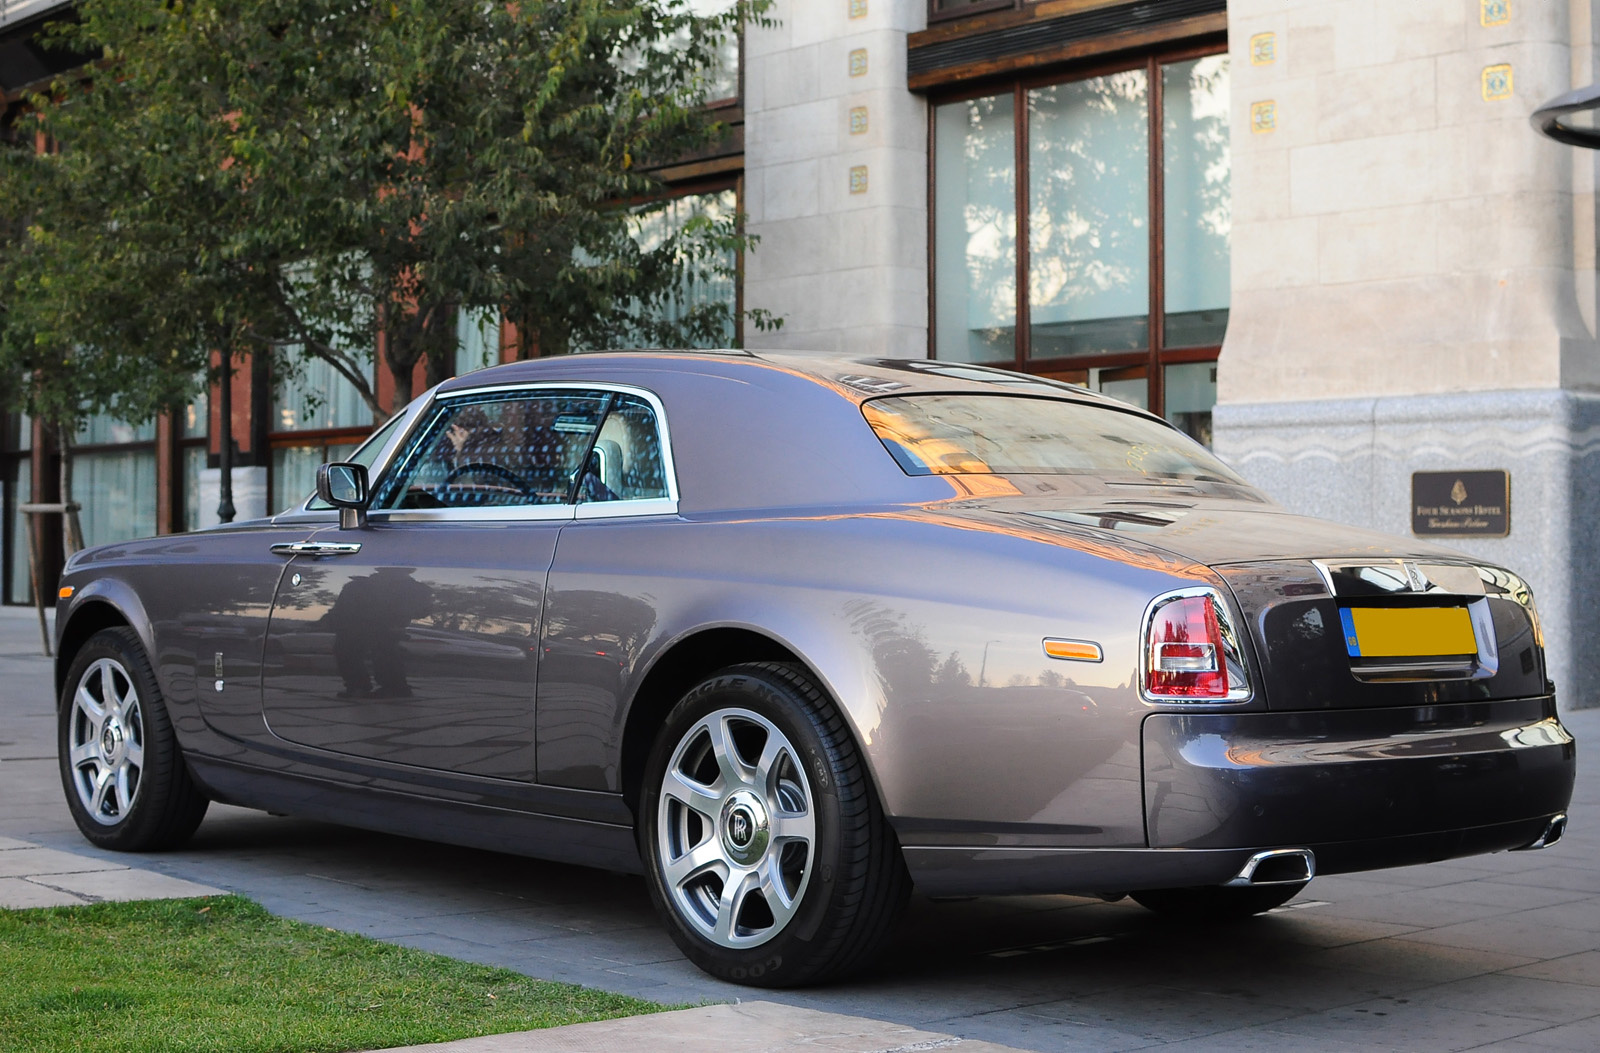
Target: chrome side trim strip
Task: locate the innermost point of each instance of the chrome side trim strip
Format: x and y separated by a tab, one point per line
317	548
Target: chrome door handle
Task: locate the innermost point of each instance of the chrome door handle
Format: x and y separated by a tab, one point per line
317	548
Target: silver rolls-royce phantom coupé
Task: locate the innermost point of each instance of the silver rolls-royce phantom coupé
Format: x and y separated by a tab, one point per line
790	634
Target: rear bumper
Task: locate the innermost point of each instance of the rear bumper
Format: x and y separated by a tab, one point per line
1344	777
1363	789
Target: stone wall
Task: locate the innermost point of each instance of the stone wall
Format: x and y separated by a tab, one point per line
1414	278
836	177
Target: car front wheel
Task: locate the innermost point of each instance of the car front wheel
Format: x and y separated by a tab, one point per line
125	780
767	852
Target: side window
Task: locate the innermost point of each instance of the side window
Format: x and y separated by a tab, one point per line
627	464
497	450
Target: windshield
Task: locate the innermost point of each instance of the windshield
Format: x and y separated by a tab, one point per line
1016	435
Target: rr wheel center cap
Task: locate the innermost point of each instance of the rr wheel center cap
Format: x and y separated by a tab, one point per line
111	740
744	828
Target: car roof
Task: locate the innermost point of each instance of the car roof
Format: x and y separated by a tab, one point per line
857	378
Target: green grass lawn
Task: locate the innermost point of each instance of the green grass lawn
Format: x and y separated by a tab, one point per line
223	974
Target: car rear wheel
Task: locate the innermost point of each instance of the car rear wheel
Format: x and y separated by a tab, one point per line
1215	902
125	780
766	850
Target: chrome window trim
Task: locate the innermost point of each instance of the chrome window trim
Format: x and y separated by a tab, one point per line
561	513
1233	654
649	506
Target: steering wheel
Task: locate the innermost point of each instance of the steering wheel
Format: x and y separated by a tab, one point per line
485	468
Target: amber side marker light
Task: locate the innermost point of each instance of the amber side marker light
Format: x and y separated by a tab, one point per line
65	592
1073	650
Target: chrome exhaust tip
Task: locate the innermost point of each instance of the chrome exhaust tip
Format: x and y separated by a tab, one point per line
1276	866
1553	832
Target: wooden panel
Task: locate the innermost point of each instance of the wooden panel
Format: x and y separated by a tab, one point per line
1187	30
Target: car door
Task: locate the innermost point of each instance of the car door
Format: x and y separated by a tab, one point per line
603	589
413	640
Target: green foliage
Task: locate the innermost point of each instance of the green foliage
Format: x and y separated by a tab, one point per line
307	177
222	974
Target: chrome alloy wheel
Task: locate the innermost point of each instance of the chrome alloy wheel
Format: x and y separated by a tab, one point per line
735	828
106	741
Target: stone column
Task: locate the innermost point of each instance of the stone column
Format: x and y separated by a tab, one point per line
1413	278
836	175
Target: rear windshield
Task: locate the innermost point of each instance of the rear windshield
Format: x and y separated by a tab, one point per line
1013	435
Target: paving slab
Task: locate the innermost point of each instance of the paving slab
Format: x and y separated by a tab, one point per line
747	1027
128	884
22	894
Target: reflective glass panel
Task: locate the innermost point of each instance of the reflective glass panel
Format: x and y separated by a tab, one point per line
1198	200
1191	392
722	80
294	470
975	230
627	462
194	460
18	432
194	420
317	397
477	340
103	429
1011	435
655	226
492	451
19	490
117	490
1089	216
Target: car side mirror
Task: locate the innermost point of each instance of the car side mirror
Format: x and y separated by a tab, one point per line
343	485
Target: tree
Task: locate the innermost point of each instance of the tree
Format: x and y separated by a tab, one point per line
322	177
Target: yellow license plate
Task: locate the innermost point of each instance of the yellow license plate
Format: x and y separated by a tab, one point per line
1407	632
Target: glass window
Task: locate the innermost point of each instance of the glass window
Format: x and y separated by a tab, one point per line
477	340
1199	200
117	489
1100	152
1012	435
194	460
722	80
1089	216
294	469
19	489
627	462
104	430
315	397
654	226
497	450
975	265
1191	391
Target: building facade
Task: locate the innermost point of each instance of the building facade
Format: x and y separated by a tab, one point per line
1319	235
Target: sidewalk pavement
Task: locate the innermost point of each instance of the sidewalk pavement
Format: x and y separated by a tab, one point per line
746	1027
1492	952
32	876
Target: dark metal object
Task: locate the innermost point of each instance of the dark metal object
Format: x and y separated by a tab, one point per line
1461	504
1049	33
225	509
1546	120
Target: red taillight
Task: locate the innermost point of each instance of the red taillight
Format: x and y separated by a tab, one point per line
1186	658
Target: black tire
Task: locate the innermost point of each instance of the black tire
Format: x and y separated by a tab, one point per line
1215	903
150	802
846	897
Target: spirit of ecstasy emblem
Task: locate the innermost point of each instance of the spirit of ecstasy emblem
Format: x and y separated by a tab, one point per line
1419	581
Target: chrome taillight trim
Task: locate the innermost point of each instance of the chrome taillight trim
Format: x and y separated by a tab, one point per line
1239	689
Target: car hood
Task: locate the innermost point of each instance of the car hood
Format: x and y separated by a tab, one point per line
1207	530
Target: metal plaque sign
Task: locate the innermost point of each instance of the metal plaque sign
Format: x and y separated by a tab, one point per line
1461	504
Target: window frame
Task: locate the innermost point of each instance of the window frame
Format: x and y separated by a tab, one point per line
1075	368
391	457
